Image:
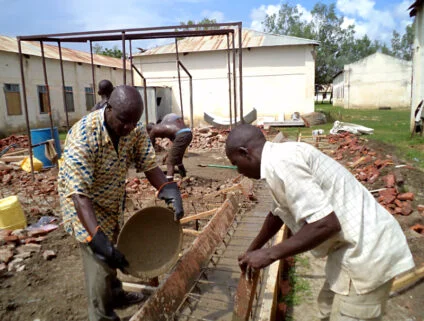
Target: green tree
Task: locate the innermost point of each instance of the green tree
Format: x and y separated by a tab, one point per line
288	21
396	44
407	42
204	21
115	52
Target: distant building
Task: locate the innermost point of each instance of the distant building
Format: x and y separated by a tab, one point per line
278	74
417	11
78	84
376	81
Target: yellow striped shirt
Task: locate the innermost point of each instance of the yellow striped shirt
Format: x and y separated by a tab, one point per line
92	167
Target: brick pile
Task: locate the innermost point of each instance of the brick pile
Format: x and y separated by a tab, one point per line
206	138
367	166
20	140
17	246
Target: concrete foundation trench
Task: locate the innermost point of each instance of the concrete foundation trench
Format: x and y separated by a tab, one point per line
206	283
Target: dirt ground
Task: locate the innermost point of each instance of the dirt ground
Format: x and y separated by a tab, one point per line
54	290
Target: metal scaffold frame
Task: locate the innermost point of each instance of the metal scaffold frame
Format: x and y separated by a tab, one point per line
123	35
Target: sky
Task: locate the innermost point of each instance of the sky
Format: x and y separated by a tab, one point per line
376	18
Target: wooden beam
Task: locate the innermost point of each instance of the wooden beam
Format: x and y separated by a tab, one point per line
10	159
408	279
17	151
246	289
191	232
198	216
269	301
128	286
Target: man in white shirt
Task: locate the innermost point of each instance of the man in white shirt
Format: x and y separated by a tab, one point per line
328	212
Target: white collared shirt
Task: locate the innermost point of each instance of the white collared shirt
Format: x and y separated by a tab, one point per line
306	186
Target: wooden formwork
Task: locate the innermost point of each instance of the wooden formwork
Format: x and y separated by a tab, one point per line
166	299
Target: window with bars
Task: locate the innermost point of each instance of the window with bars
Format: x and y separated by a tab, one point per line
69	97
89	98
43	99
12	95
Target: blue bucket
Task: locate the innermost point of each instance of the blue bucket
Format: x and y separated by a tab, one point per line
41	135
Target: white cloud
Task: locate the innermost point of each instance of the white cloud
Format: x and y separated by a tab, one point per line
257	15
306	15
376	23
217	15
348	22
361	8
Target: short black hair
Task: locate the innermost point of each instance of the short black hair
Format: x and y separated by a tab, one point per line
105	88
244	135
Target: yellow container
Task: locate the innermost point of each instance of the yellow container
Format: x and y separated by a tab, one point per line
12	216
26	164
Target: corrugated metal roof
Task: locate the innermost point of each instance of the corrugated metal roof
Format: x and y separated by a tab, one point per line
415	6
250	39
32	48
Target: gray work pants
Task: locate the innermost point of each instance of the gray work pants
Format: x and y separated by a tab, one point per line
102	285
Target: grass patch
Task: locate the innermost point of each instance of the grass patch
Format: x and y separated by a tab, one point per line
300	288
390	127
62	135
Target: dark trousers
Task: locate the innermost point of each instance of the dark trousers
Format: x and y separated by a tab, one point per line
102	286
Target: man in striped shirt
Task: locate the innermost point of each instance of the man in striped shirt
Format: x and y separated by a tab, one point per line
98	152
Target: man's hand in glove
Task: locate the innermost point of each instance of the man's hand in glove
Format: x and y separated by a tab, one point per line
170	193
103	247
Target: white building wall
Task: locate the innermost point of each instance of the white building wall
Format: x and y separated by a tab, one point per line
77	75
418	63
277	81
338	90
378	81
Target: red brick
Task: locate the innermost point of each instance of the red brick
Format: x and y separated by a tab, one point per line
420	208
398	203
398	210
406	196
406	208
389	180
419	228
11	238
4	233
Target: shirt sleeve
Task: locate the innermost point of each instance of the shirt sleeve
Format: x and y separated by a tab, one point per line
144	152
305	198
78	165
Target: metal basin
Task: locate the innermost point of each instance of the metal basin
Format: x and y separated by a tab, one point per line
151	241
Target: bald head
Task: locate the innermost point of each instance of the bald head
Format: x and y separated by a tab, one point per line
126	100
245	135
125	108
244	149
105	88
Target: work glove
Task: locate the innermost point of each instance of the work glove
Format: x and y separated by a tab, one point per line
106	251
170	193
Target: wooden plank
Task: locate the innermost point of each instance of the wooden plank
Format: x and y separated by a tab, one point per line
198	216
10	159
17	151
243	300
128	286
269	301
191	232
246	289
408	279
